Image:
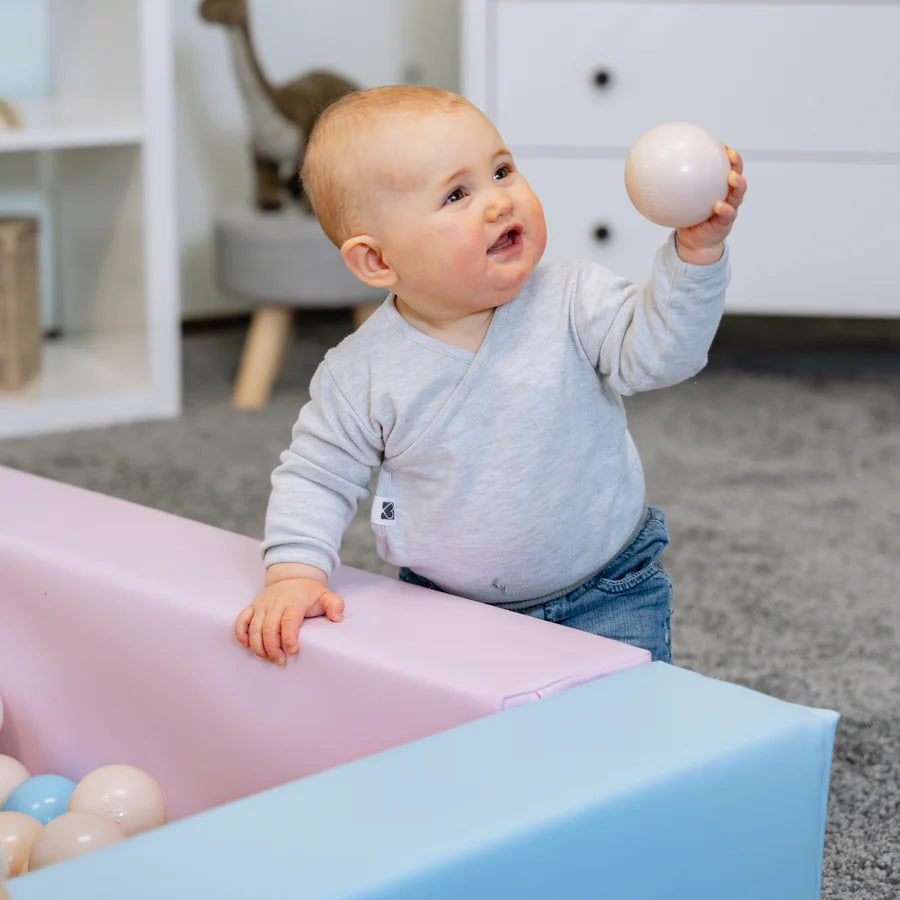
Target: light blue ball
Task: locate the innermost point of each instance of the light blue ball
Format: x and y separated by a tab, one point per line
44	797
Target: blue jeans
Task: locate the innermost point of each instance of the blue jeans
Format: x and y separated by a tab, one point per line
628	600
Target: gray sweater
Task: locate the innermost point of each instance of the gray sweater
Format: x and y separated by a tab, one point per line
508	474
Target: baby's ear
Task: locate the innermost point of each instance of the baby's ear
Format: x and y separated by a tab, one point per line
363	258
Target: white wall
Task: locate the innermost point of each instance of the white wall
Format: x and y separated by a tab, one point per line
369	41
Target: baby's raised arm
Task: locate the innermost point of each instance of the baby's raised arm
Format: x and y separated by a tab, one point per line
270	625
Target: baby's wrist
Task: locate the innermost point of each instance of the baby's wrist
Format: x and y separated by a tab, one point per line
699	256
286	571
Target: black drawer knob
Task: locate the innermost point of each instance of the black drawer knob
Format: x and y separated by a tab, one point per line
602	233
602	78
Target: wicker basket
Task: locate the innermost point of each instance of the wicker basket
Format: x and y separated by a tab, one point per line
20	315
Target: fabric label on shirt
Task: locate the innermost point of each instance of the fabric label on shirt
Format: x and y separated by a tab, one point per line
384	511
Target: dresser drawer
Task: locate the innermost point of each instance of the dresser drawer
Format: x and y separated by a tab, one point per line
813	237
796	77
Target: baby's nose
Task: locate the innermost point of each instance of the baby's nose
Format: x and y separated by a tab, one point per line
499	204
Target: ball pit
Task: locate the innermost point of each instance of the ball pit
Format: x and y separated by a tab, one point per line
46	819
728	786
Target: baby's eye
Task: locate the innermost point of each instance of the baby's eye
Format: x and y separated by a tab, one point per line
503	171
455	196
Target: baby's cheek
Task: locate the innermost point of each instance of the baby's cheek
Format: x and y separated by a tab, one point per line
466	250
535	222
539	231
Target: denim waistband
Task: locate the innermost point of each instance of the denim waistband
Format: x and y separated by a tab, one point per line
526	605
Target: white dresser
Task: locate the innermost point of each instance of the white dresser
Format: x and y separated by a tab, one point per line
808	92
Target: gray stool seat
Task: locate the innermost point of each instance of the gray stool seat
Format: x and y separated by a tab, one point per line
279	260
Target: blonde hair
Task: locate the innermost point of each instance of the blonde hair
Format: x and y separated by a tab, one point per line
329	174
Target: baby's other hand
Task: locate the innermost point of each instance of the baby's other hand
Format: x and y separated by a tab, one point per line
696	243
270	626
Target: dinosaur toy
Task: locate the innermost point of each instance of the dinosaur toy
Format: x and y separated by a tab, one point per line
10	117
280	115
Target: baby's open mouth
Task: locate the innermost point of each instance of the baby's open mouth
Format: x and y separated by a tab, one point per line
506	240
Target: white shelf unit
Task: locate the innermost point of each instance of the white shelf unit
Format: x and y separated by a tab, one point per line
94	163
806	91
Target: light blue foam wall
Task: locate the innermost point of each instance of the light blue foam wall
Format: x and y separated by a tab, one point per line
654	783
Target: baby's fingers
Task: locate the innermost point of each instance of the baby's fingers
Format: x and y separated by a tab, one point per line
254	632
737	187
737	163
242	626
332	605
271	637
290	629
265	637
327	603
724	213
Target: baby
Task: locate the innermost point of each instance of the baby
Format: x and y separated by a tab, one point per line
486	389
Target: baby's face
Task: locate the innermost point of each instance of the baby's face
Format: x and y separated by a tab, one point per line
457	222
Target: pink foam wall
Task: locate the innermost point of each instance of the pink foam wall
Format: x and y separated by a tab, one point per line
116	645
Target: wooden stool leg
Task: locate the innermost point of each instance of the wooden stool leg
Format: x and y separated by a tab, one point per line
361	313
267	338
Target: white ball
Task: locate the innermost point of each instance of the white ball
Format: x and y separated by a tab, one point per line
18	832
125	794
675	173
72	834
12	774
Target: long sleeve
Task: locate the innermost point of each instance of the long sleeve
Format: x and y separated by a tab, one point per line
642	337
321	479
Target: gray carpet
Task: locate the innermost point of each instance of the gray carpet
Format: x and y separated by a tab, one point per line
779	471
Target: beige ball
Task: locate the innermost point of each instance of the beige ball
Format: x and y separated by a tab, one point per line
12	774
124	794
18	833
72	834
675	173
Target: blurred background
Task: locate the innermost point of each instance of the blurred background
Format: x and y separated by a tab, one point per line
129	192
369	42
